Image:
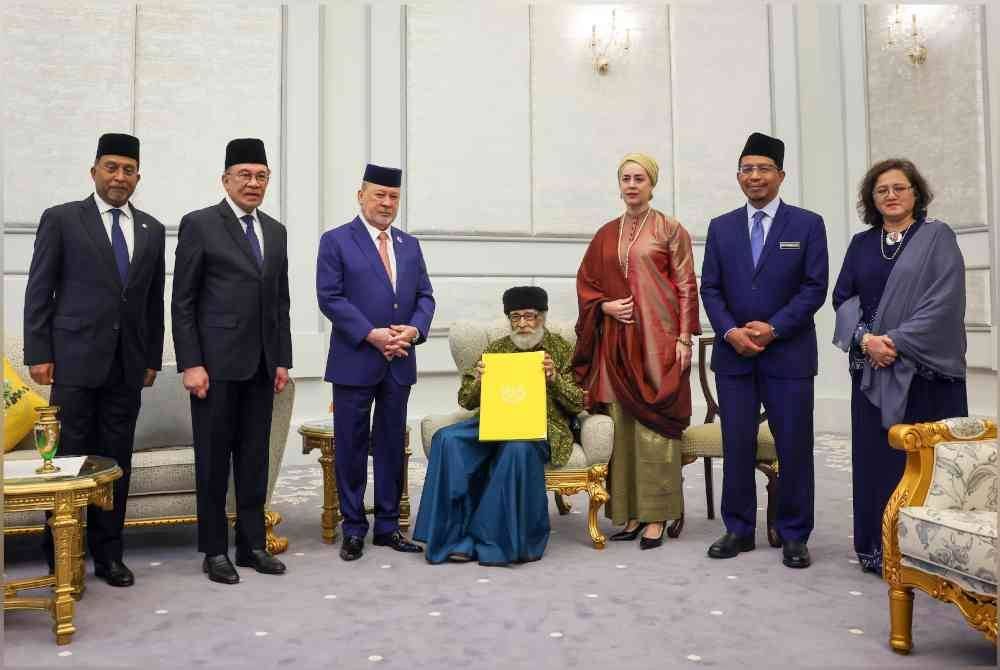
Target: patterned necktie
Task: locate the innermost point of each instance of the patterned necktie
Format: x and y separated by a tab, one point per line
252	239
383	251
118	246
757	236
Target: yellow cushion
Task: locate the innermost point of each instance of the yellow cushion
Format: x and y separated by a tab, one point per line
19	407
706	440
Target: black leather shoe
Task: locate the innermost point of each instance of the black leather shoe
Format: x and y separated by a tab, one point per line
115	573
396	540
261	561
220	569
352	548
652	542
795	554
628	535
731	545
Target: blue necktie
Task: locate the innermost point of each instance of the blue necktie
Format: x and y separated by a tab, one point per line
118	245
252	239
757	236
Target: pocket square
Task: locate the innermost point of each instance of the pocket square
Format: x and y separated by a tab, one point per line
789	245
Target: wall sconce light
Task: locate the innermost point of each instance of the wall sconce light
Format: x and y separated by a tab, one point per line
911	42
602	50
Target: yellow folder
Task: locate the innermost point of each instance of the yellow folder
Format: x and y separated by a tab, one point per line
513	397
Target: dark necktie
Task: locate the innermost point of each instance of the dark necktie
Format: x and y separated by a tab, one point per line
757	236
118	245
252	239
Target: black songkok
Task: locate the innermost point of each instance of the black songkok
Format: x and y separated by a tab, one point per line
525	297
383	176
245	150
759	144
118	144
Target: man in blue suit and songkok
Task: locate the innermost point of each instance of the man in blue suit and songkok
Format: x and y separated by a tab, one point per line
764	277
372	284
486	501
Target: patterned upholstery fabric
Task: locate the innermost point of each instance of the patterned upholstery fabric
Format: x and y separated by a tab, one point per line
706	440
467	340
961	544
954	534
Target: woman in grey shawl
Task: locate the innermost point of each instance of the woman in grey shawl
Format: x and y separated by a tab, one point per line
900	302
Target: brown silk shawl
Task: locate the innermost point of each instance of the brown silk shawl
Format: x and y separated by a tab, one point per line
634	364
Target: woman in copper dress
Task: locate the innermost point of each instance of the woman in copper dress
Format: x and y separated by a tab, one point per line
638	311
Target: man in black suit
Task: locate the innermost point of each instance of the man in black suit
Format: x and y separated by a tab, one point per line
93	327
234	345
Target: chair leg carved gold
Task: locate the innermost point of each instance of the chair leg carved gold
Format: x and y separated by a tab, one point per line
275	543
901	619
592	480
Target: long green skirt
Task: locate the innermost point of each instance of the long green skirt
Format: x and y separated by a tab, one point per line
644	476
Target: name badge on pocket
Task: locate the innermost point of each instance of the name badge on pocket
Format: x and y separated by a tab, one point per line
789	245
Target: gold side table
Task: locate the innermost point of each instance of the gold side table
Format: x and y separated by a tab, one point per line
67	497
318	434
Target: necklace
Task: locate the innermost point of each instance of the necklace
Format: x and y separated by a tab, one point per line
892	238
633	236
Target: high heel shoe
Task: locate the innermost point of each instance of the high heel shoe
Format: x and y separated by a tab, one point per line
652	542
628	535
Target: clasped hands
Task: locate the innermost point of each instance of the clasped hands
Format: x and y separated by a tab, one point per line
751	339
393	342
623	309
880	350
548	365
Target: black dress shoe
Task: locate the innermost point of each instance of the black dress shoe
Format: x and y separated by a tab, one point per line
652	542
261	561
220	569
352	548
795	554
731	545
396	540
115	573
628	535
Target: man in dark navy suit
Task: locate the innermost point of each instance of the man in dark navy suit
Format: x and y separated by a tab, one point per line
93	328
372	283
763	278
234	345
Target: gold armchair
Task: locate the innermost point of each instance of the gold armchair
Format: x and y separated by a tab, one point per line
939	531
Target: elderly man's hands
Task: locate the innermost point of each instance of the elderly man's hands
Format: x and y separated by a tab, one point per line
479	370
550	367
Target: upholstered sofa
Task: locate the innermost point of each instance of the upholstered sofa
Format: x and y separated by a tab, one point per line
162	490
939	532
587	467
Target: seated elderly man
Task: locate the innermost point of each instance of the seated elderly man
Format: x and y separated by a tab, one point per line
486	501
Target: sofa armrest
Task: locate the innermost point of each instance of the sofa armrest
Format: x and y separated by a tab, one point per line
597	437
432	423
281	420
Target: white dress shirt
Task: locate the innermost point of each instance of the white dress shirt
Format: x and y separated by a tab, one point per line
770	209
240	213
374	232
125	221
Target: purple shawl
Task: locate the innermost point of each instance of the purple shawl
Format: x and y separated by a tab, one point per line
923	311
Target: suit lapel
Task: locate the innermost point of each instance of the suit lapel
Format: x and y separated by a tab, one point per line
235	228
743	239
140	241
399	252
773	235
367	247
94	226
267	231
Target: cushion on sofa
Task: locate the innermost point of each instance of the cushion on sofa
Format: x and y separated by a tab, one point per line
956	541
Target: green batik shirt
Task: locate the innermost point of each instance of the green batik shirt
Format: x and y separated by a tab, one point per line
563	398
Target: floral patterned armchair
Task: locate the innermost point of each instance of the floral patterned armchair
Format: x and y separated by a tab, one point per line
939	531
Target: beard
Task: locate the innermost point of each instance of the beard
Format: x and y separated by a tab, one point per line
528	341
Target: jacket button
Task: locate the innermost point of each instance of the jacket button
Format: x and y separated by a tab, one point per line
114	327
395	305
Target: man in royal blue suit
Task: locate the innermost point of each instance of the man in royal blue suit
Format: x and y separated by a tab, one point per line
763	278
372	284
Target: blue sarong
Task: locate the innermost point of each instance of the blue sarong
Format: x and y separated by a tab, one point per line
486	500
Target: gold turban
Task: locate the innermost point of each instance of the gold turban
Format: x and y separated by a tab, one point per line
647	163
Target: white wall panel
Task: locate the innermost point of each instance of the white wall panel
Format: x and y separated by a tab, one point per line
583	122
470	298
721	93
205	73
468	128
933	114
67	79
